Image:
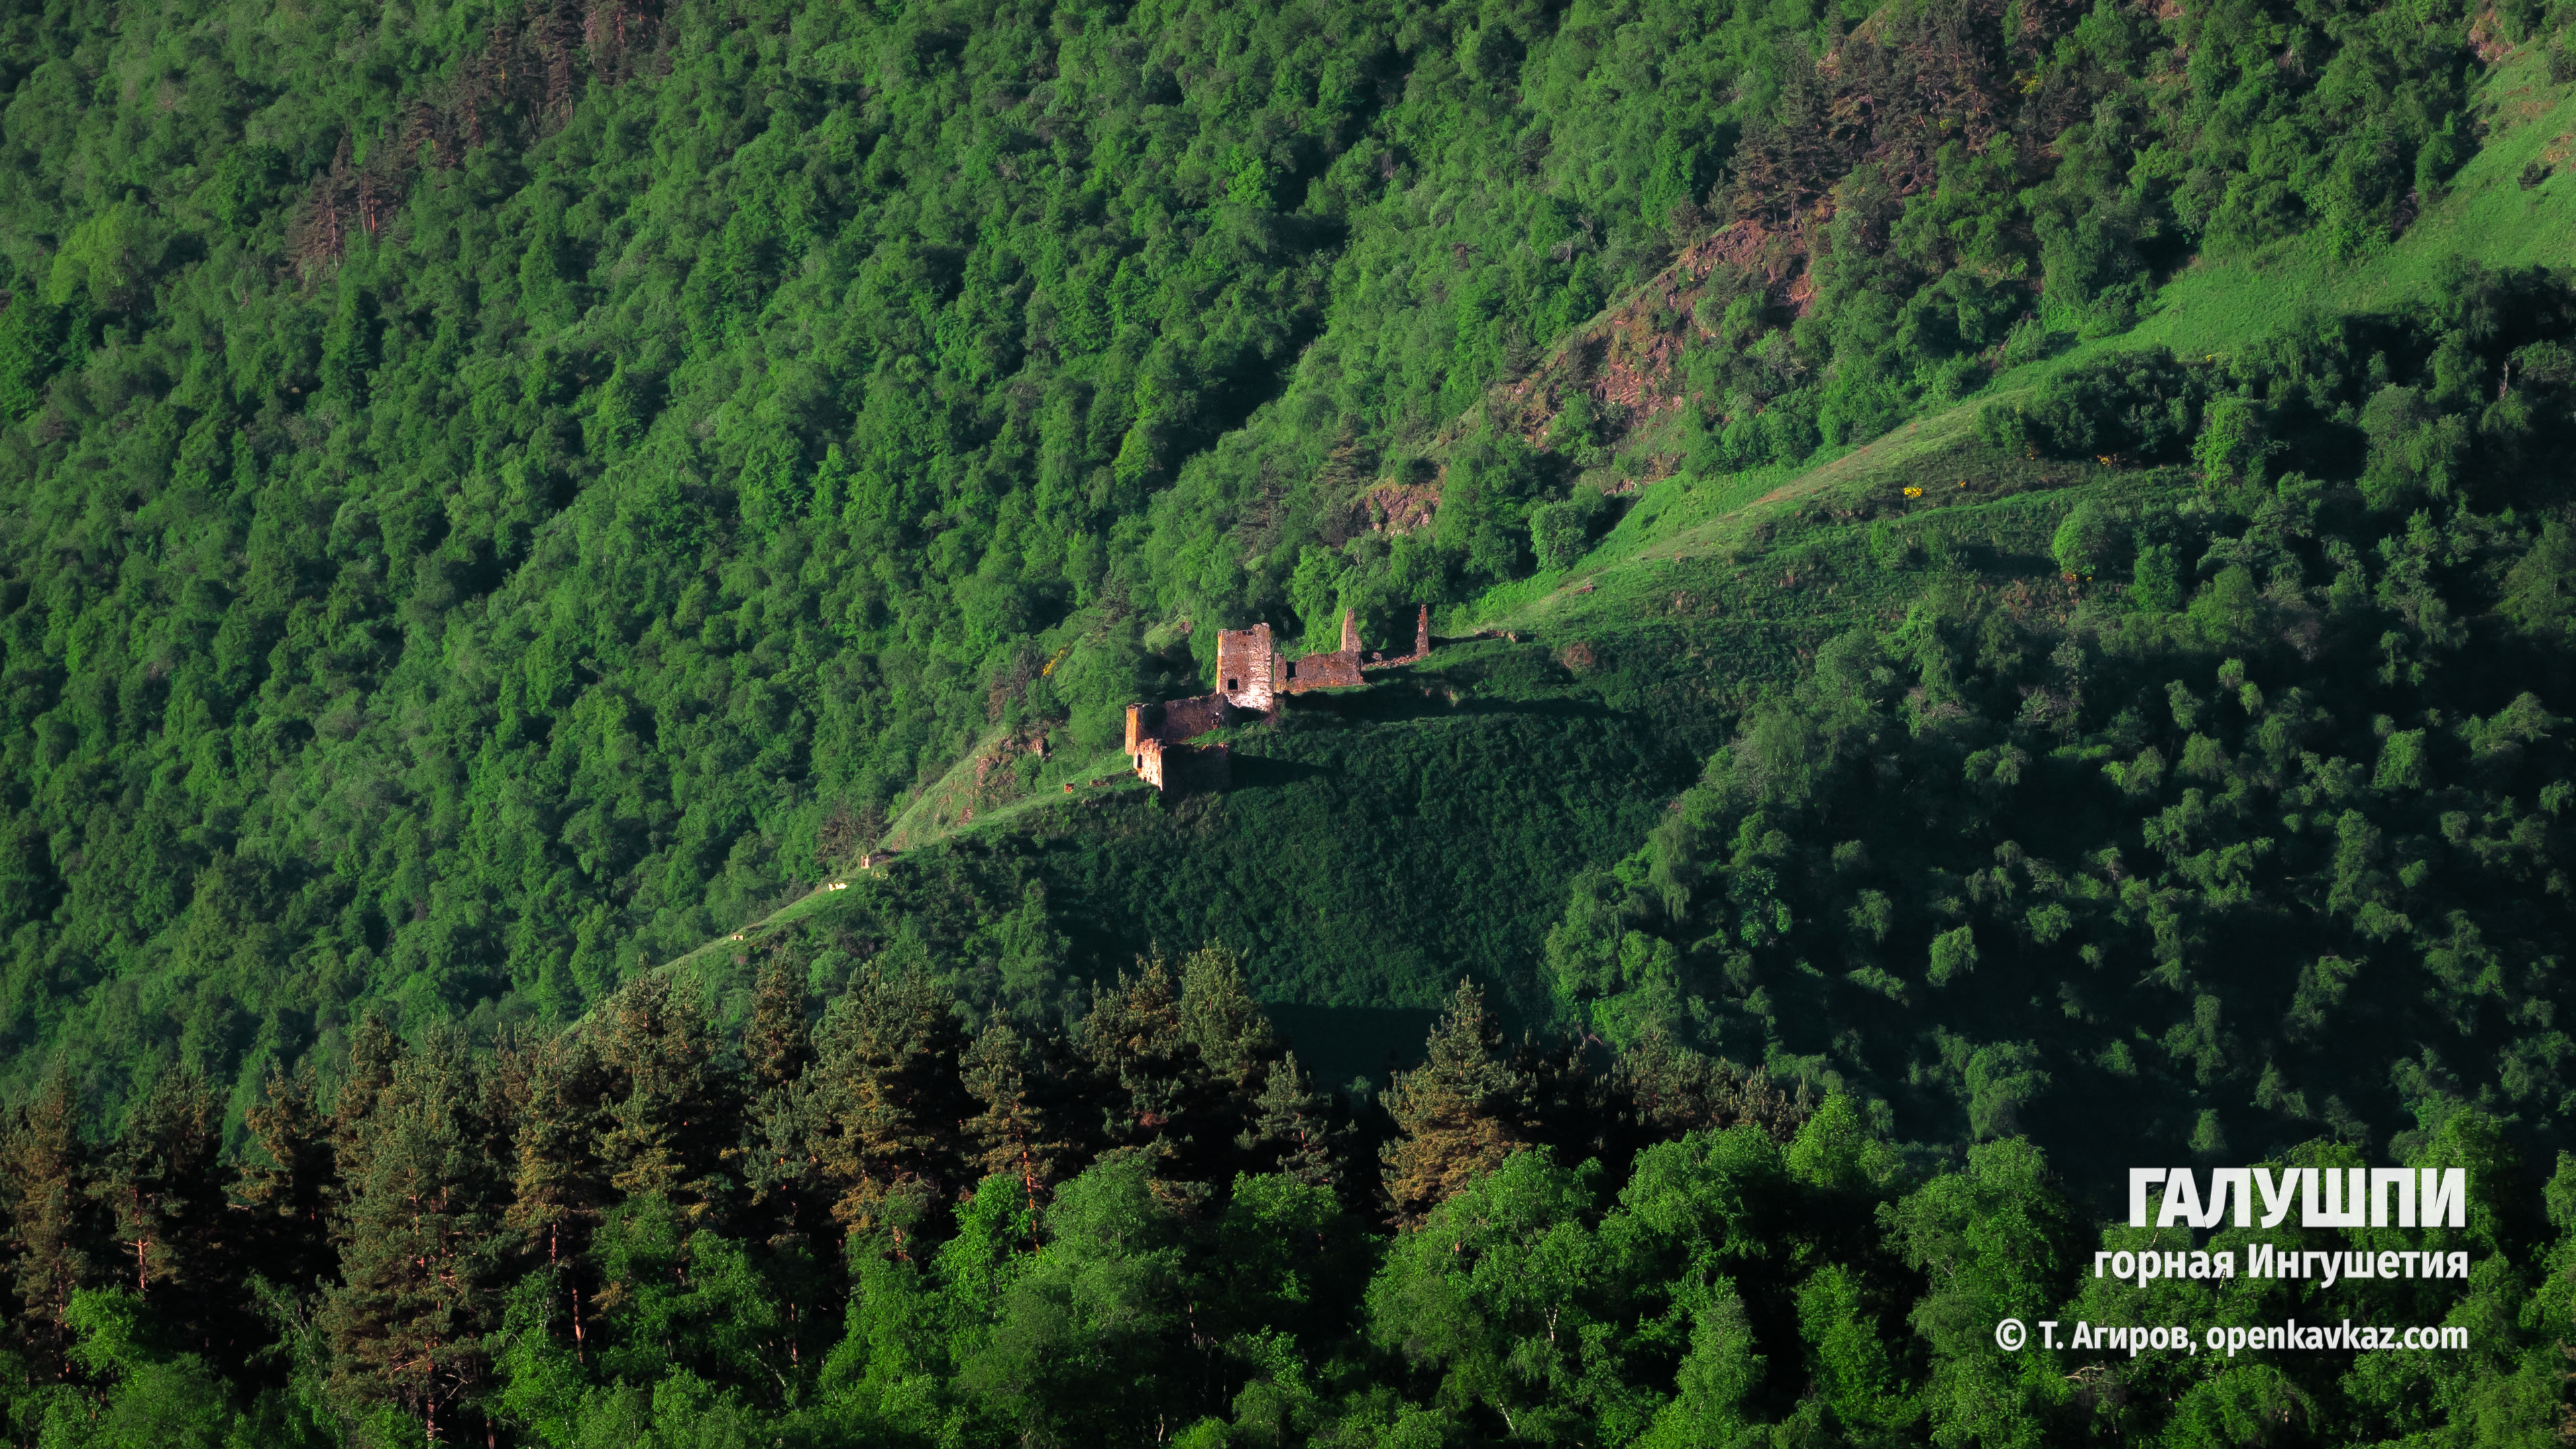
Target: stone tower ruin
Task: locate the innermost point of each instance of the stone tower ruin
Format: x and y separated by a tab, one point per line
1251	674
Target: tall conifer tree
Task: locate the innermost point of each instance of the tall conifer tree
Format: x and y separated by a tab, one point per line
1662	1091
779	1167
558	1185
1028	1126
674	1114
374	1053
1187	1056
162	1183
54	1236
890	1106
1233	1037
421	1255
789	1209
778	1045
178	1240
1132	1041
1456	1115
286	1184
1293	1131
1235	1061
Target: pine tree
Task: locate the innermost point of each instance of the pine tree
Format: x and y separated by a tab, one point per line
1237	1122
558	1186
286	1185
890	1106
54	1237
1456	1115
374	1054
1141	1064
1132	1042
1027	1126
789	1210
1292	1129
780	1173
674	1116
1233	1037
1561	1102
778	1045
1187	1056
421	1239
1661	1091
162	1182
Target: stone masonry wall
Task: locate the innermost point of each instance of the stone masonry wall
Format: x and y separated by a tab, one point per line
1184	767
1179	719
1338	670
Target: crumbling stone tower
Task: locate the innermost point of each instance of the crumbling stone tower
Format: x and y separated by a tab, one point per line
1246	666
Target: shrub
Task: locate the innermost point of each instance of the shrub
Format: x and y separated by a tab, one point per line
1560	532
2234	439
2141	404
2084	541
1954	954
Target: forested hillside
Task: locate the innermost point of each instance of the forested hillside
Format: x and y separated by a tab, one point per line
500	494
2005	596
509	491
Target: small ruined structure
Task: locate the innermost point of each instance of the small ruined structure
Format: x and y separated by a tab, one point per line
1251	674
1184	767
1377	659
1337	670
1246	663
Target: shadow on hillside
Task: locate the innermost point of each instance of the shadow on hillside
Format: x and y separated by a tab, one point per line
1255	772
1337	1043
1397	702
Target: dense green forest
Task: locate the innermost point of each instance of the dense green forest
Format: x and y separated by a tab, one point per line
2225	805
883	1229
502	493
2283	855
2005	576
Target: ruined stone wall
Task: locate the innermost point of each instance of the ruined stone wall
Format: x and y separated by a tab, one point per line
1187	719
1176	720
1324	671
1421	645
1250	676
1341	668
1183	767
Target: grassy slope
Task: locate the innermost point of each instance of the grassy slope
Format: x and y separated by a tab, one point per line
2209	307
1378	844
2485	214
